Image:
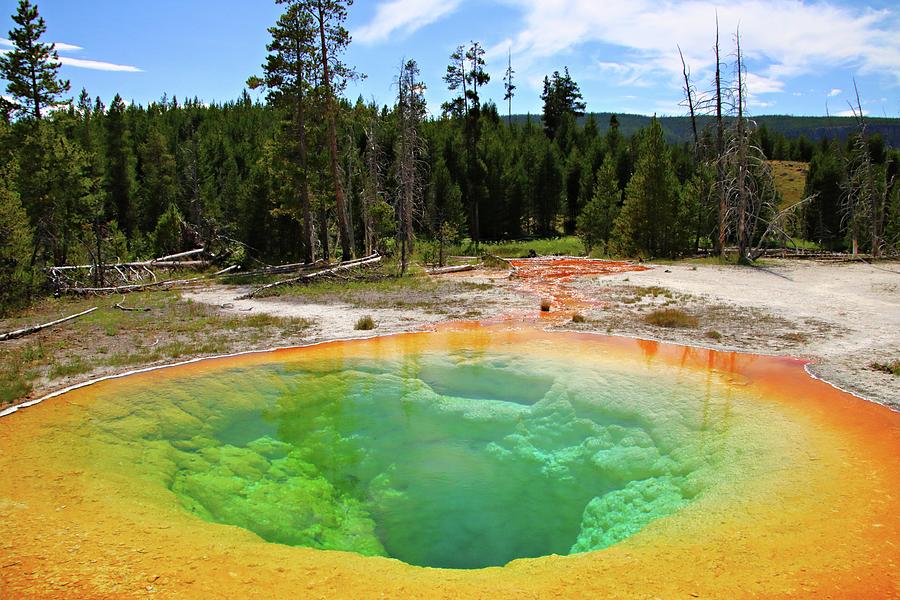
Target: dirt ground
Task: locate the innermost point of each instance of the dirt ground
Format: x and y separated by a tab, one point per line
841	316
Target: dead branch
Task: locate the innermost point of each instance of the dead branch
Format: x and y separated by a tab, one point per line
307	277
29	330
226	270
162	261
179	255
282	269
124	289
121	306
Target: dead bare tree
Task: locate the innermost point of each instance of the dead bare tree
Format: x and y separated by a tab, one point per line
747	201
720	151
865	190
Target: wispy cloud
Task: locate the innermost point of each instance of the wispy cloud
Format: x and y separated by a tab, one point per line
97	65
79	63
834	92
403	16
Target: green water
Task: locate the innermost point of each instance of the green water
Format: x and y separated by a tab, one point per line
442	459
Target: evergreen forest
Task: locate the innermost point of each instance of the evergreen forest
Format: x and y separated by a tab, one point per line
305	173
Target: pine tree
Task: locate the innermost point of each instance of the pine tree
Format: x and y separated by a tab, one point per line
561	96
652	220
330	15
15	246
121	186
548	190
455	78
158	185
595	223
288	75
32	67
575	167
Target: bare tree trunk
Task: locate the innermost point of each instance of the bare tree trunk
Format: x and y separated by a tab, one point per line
372	191
341	209
99	279
720	151
323	229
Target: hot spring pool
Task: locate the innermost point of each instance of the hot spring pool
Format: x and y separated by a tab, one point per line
460	449
439	456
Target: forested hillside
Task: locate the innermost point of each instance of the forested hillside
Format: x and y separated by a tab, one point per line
311	174
678	129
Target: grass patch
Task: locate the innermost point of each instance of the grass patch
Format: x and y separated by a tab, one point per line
672	318
790	180
173	329
68	369
566	246
891	368
366	323
714	335
653	291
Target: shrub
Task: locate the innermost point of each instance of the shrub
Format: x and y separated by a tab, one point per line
578	318
15	252
891	368
714	335
366	323
545	305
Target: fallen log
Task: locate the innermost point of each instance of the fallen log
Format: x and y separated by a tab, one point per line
282	269
121	306
307	277
500	258
226	270
29	330
457	269
179	255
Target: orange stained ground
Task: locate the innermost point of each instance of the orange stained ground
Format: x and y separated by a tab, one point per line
549	278
824	523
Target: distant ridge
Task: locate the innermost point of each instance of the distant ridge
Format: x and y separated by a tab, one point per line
678	129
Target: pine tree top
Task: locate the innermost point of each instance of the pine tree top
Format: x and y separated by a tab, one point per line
32	67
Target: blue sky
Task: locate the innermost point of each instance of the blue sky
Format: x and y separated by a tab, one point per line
802	56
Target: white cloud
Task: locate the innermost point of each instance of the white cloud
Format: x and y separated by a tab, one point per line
97	65
781	39
80	63
61	47
757	84
834	92
405	16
